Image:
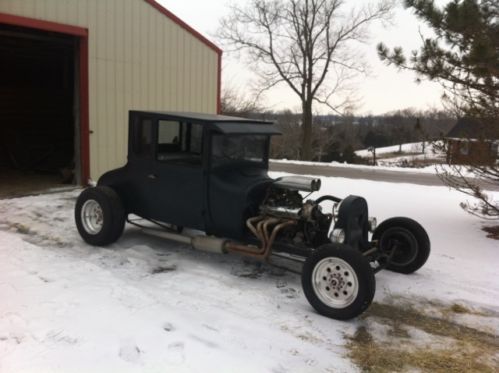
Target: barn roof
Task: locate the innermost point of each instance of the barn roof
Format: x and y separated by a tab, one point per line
184	25
469	128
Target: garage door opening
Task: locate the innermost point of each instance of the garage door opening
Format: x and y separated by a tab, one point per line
39	111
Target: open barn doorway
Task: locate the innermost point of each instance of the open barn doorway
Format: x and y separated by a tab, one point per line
39	111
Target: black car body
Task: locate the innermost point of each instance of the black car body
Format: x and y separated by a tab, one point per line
185	178
210	173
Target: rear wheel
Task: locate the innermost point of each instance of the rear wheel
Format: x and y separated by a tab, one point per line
338	281
409	240
99	216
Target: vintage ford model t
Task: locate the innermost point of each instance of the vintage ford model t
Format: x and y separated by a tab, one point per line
209	173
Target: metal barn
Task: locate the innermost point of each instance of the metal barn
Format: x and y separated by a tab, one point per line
70	70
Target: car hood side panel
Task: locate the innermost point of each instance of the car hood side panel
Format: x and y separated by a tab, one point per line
234	197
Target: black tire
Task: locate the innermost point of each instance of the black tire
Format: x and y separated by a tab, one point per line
113	216
412	239
363	275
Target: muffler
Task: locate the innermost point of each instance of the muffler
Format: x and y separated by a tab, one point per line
202	243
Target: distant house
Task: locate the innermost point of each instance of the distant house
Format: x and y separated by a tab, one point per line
472	142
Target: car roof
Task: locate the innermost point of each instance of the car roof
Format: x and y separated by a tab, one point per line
202	117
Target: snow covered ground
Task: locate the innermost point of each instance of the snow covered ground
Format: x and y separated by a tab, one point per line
413	147
146	305
389	156
387	159
419	170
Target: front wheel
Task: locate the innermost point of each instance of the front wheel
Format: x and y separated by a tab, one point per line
338	281
409	241
99	216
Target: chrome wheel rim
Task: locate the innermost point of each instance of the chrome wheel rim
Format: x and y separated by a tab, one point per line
91	217
335	282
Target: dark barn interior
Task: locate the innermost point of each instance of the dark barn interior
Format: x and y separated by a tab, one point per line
37	111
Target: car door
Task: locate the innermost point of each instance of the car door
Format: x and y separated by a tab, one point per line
177	181
140	166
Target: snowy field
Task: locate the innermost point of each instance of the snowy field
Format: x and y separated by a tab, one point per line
413	147
389	156
388	159
146	305
420	170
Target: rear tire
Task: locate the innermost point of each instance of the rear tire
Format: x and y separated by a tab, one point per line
412	239
100	216
338	281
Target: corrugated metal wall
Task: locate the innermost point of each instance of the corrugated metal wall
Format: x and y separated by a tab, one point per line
138	59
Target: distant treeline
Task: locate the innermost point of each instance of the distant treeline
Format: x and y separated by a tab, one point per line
337	137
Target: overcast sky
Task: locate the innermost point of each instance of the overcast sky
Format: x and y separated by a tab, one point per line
385	89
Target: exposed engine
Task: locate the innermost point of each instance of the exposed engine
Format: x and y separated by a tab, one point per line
346	221
308	225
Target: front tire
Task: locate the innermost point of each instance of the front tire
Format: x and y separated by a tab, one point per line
99	216
413	244
338	281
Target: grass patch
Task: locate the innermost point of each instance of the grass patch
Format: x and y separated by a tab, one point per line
385	156
34	237
398	331
471	350
163	269
459	308
371	356
492	232
21	228
406	315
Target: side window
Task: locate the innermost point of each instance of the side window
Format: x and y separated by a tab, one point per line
179	142
464	147
169	136
143	137
196	143
168	132
494	147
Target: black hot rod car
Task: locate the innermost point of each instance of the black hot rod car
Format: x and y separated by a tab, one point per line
208	173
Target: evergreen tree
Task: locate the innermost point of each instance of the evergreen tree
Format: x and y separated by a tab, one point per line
464	57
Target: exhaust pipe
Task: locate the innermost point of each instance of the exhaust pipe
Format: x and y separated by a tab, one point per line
223	246
201	243
209	244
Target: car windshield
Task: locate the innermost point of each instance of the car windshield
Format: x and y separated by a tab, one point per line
239	148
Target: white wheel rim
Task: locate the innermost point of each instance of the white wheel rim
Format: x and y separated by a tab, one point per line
91	217
335	282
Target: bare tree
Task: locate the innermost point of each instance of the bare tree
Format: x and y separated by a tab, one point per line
283	146
233	102
305	44
323	138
